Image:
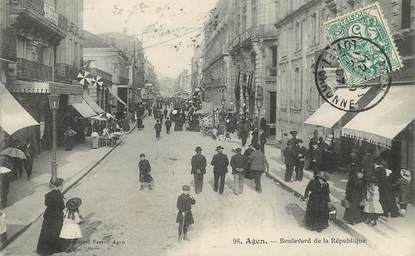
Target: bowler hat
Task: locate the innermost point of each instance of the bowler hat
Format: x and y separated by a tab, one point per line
73	203
293	132
198	149
186	188
219	147
57	182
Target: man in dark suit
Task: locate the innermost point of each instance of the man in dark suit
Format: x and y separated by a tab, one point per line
198	169
302	155
220	164
290	160
168	125
157	127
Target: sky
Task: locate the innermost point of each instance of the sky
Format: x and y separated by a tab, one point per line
179	22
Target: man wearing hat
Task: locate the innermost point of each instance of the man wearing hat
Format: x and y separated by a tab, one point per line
293	138
239	164
157	127
290	160
184	216
301	153
220	164
198	169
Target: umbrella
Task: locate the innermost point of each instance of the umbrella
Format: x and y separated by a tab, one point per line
4	170
13	152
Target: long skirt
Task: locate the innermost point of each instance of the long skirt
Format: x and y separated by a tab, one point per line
49	241
316	215
354	214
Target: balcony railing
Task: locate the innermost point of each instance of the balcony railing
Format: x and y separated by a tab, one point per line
41	10
65	72
29	70
254	33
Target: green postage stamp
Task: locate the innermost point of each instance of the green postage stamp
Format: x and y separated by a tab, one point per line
363	60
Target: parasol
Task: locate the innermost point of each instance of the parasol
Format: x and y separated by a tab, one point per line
4	170
13	152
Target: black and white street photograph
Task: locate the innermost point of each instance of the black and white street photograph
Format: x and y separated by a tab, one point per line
207	127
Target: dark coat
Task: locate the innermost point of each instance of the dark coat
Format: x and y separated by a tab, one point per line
157	126
184	204
290	156
198	162
386	193
145	168
302	154
220	163
355	193
316	158
168	124
49	241
239	161
317	212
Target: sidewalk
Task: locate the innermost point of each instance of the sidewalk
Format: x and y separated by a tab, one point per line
392	229
26	197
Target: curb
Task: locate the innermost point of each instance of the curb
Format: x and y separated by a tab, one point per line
340	223
12	238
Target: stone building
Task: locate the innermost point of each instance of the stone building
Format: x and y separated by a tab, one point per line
299	106
44	42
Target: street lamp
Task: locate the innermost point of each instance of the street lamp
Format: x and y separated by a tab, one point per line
259	101
54	105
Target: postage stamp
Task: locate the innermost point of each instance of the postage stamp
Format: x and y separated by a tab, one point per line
330	76
360	58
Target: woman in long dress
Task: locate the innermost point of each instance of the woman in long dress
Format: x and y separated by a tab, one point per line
49	242
318	194
355	194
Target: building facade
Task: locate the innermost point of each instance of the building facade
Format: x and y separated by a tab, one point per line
44	43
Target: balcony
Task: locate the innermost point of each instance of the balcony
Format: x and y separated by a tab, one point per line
264	31
32	71
37	18
65	72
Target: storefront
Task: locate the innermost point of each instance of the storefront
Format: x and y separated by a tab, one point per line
33	96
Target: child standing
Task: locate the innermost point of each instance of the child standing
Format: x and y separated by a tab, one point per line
145	168
71	231
373	208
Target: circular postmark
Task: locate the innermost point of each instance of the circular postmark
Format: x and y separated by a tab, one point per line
346	61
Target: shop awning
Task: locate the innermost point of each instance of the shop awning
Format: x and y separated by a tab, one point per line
92	104
49	87
327	115
117	98
385	121
84	109
13	116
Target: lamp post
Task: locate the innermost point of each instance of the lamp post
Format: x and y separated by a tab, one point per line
54	105
259	100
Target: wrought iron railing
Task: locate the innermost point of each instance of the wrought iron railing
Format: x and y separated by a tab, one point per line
29	70
65	72
254	33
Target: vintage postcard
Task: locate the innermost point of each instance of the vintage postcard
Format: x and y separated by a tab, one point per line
207	127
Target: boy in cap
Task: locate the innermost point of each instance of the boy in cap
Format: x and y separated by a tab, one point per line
198	169
184	216
220	164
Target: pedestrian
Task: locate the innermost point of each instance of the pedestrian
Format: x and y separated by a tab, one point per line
184	216
254	140
404	189
355	194
318	194
220	164
386	192
165	112
167	123
28	162
68	138
293	138
71	231
198	169
239	164
316	157
49	242
149	111
157	127
283	144
372	205
259	164
247	153
144	168
290	160
139	122
5	185
301	153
